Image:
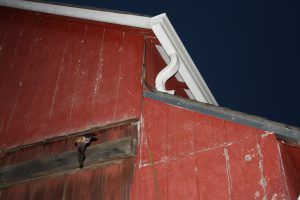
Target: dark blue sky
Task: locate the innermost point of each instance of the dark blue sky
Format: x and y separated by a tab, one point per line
248	52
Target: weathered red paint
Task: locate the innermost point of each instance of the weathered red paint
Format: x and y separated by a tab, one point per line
105	183
239	161
61	75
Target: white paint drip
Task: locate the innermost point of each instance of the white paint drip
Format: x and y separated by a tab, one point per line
267	133
263	181
226	154
256	194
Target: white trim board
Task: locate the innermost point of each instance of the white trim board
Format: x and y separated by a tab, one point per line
160	25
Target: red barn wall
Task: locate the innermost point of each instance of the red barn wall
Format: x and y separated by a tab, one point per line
61	75
106	182
189	155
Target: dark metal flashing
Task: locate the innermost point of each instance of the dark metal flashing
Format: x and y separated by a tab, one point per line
282	131
96	155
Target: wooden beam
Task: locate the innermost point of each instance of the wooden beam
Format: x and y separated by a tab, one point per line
96	155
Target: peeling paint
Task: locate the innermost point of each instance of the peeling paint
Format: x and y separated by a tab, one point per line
267	133
263	181
228	171
196	170
165	159
274	196
248	158
256	194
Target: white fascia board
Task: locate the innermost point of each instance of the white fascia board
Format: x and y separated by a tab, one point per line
169	39
95	15
160	25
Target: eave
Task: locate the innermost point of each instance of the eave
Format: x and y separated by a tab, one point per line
159	24
286	133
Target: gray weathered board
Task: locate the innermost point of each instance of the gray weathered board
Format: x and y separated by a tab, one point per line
67	162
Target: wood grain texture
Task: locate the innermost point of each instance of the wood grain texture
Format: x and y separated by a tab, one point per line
66	162
109	181
61	75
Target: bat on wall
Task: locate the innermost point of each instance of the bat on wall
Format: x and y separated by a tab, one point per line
82	142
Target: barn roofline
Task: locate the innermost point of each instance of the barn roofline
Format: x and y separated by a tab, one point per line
160	25
283	132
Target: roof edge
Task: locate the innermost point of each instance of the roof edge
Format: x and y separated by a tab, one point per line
160	25
171	42
284	132
95	15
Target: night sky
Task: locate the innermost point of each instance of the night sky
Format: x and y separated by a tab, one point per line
248	52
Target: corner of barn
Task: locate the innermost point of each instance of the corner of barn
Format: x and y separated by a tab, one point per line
187	154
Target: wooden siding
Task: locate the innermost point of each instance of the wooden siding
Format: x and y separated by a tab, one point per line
107	182
61	75
202	154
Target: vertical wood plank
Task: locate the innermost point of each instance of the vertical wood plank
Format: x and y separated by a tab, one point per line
182	179
209	132
212	175
19	114
5	20
152	64
273	167
48	189
154	129
16	193
10	73
108	80
180	132
83	185
87	80
291	174
127	169
153	182
130	77
246	170
45	78
237	132
66	84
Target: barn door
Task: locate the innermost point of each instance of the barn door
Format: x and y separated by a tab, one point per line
50	169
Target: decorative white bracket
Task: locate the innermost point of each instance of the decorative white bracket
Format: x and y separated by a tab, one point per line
172	44
169	71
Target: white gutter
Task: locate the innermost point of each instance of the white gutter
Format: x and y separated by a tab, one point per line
95	15
160	25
